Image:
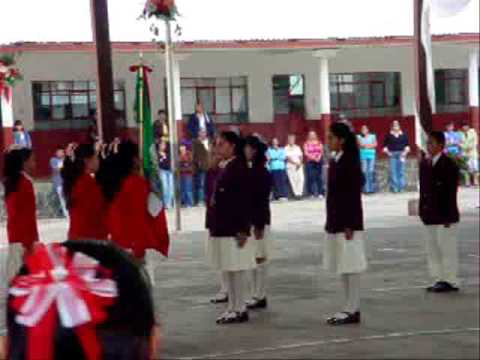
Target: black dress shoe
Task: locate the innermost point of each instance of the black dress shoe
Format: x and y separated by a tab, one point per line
219	300
257	304
434	287
239	317
442	287
345	318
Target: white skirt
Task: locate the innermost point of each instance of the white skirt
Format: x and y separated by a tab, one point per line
263	247
342	256
224	254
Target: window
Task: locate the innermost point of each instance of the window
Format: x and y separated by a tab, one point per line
451	90
70	104
366	94
288	94
224	98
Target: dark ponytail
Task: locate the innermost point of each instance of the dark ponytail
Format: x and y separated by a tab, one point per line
350	145
260	158
74	167
14	164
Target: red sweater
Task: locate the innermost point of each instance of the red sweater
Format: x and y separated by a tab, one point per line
21	212
129	222
88	211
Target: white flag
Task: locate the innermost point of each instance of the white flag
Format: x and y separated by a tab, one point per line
426	39
448	8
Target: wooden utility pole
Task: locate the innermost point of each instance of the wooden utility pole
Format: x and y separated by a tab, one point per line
421	71
106	119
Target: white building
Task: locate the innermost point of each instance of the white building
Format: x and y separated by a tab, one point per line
271	87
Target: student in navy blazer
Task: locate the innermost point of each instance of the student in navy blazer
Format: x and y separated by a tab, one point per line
200	121
439	177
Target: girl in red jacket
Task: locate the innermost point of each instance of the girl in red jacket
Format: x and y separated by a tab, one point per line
130	224
20	204
85	201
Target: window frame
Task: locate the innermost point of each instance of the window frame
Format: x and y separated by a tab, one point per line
290	96
443	75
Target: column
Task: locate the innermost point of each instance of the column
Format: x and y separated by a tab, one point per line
6	124
324	89
178	94
473	88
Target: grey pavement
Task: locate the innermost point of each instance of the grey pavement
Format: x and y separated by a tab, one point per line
400	320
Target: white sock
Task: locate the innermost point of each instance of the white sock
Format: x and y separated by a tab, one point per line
223	283
344	279
353	302
260	275
230	285
240	291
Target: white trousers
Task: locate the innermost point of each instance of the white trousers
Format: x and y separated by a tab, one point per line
259	281
442	252
296	177
351	286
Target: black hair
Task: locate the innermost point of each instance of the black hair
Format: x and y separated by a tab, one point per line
18	123
260	158
439	137
125	333
73	169
59	147
116	168
13	165
232	138
343	131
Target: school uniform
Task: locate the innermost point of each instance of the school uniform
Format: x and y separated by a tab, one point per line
129	222
344	211
439	179
344	257
261	185
228	217
22	229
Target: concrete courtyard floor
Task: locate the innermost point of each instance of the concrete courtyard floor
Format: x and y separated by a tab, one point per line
400	320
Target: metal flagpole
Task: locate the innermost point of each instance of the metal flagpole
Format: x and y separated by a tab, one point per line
141	116
172	124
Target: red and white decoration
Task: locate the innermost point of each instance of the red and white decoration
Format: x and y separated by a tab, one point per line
9	77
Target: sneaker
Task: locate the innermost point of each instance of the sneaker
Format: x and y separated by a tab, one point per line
344	318
233	318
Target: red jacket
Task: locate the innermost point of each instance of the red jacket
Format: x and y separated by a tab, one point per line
88	211
21	212
129	222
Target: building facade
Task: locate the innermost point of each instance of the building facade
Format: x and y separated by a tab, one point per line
270	87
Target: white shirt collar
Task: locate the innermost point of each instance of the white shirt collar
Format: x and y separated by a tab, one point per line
338	156
436	158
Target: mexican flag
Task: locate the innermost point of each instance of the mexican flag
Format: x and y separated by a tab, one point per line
144	117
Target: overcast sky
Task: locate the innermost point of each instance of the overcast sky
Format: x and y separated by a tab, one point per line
69	20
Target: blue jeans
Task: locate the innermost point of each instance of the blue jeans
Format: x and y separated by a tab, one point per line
186	183
200	177
368	168
166	176
61	199
397	172
280	185
315	178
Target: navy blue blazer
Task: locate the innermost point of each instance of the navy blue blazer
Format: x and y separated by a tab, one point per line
194	126
438	191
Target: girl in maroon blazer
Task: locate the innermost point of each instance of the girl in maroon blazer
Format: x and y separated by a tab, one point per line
344	252
228	249
261	188
20	204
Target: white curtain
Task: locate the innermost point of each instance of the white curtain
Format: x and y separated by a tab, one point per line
448	8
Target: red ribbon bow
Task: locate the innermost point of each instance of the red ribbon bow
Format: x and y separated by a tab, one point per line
64	288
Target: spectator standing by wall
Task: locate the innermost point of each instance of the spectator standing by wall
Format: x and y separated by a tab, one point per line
277	158
166	174
397	148
295	169
313	150
56	166
453	140
469	147
21	137
186	176
200	147
368	153
200	121
160	127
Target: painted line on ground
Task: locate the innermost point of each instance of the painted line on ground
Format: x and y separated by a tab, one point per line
388	336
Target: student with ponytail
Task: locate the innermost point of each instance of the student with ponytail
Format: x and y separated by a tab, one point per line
85	200
344	252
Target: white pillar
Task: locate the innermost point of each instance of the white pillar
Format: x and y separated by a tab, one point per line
473	85
7	111
324	87
177	86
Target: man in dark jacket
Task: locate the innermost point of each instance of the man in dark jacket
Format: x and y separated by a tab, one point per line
200	121
439	176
